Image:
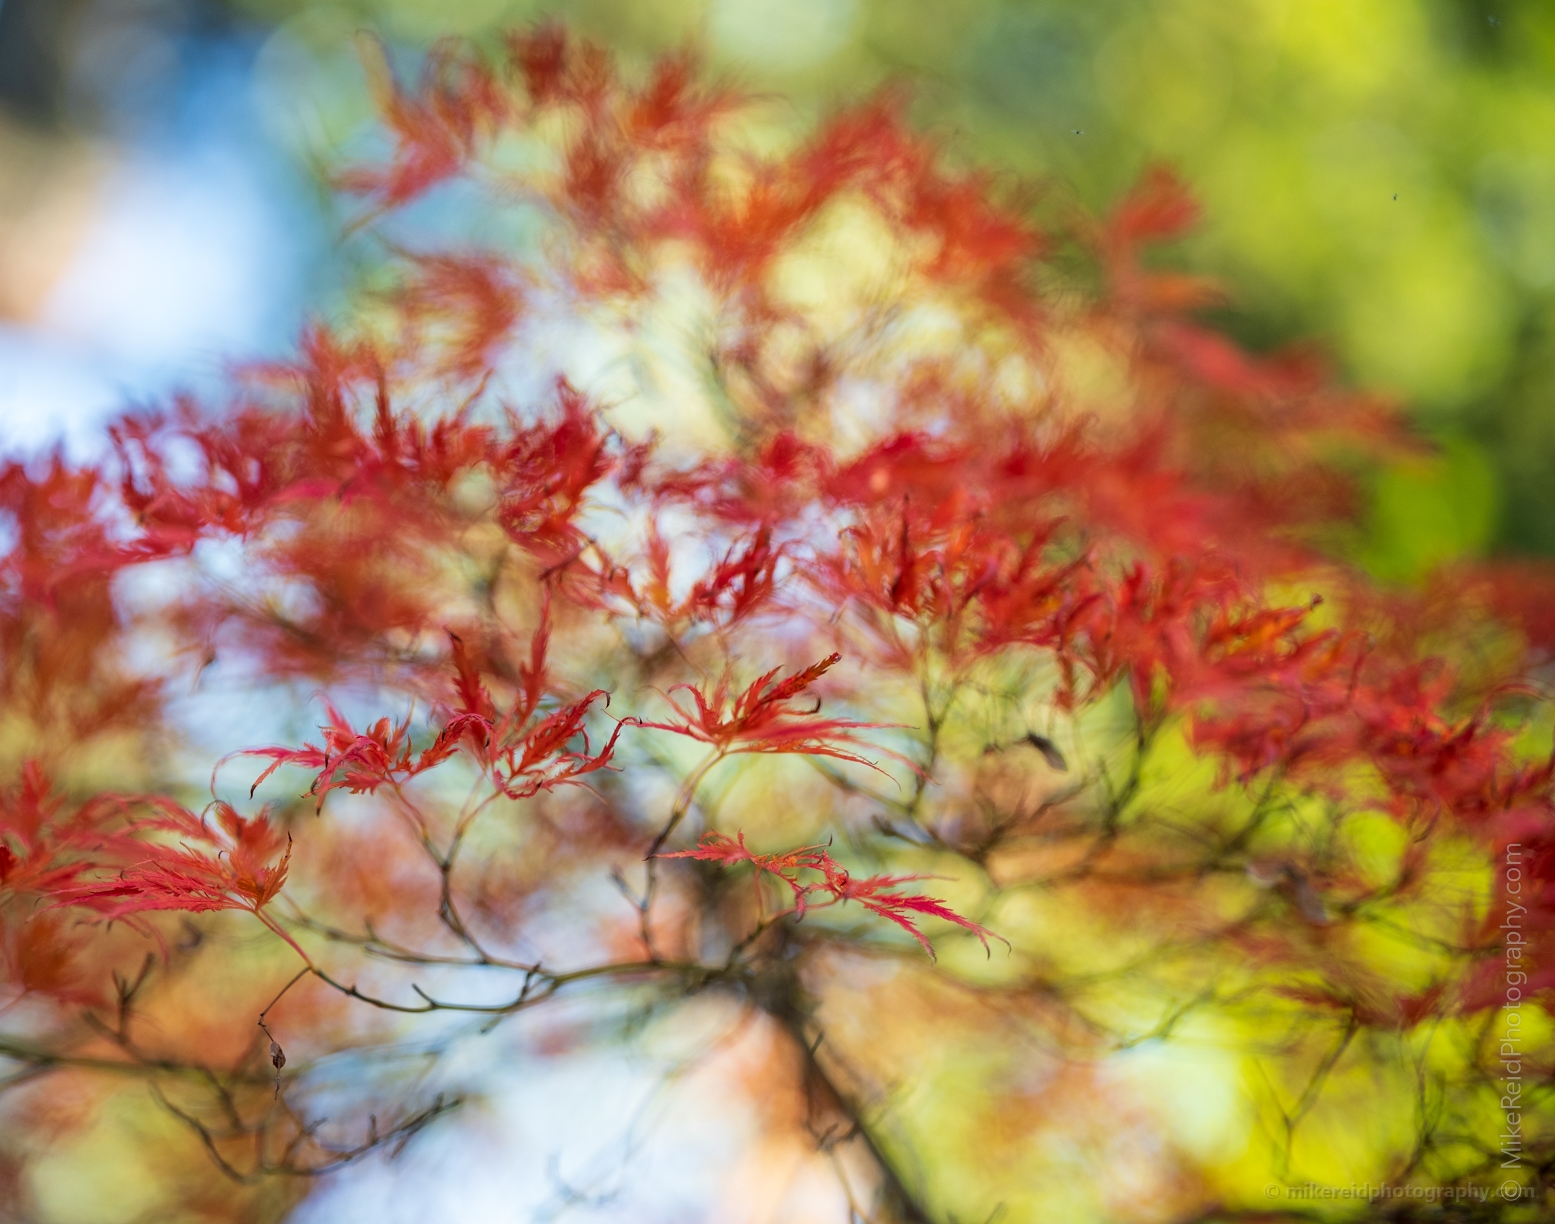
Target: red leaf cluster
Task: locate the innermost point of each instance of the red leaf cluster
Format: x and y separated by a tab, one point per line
521	749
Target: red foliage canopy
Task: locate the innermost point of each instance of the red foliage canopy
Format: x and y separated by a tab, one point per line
1071	506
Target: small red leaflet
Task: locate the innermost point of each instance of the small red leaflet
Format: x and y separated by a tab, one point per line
835	884
761	719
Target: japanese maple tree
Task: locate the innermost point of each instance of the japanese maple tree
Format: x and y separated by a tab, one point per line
938	657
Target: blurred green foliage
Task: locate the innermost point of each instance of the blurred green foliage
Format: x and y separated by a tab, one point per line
1377	174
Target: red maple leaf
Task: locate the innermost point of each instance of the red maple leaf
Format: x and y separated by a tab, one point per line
232	865
872	892
761	719
356	761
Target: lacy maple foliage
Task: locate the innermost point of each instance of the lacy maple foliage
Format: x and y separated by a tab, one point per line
1067	559
834	882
